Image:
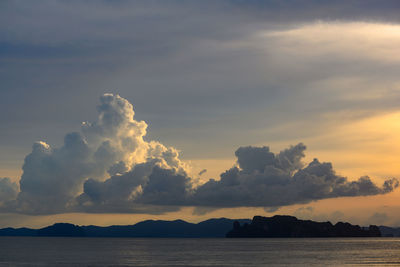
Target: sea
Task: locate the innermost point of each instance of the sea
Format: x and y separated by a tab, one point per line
74	251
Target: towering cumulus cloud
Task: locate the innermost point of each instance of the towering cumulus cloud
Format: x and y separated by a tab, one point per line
109	167
53	178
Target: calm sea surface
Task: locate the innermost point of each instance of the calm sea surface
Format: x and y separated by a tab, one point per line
55	251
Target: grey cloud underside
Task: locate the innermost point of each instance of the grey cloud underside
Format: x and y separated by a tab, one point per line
271	180
148	177
8	190
262	179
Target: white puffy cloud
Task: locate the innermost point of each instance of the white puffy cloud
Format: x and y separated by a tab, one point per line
53	177
116	135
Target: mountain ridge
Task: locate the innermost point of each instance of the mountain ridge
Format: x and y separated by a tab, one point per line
210	228
215	227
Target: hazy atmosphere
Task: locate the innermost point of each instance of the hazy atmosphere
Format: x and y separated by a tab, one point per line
113	112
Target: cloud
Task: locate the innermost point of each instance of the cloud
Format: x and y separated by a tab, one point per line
110	167
294	68
261	179
318	40
304	212
53	177
271	209
150	183
378	218
270	49
309	213
120	187
264	179
8	190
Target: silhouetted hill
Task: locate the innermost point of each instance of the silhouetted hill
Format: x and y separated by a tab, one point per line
149	228
18	232
61	229
289	226
276	226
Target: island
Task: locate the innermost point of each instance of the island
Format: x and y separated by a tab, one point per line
289	226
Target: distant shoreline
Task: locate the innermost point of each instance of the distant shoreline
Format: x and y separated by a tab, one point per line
212	228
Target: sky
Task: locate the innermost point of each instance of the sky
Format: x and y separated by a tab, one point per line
113	112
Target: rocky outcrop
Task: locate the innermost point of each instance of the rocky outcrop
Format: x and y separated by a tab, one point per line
289	226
